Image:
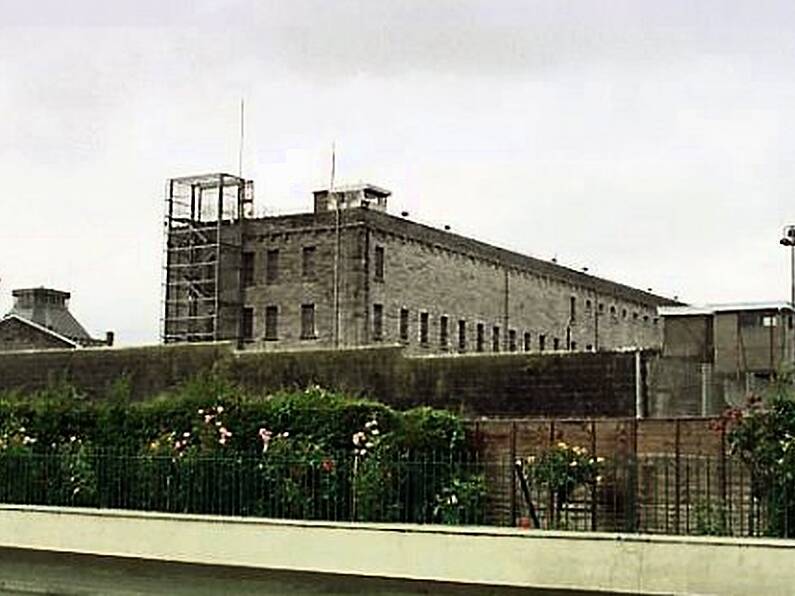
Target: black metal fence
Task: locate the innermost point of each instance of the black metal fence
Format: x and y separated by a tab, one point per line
652	494
692	495
411	488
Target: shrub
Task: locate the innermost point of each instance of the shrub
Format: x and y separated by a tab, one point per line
561	470
210	447
762	435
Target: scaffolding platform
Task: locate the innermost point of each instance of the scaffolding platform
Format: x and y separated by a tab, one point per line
204	223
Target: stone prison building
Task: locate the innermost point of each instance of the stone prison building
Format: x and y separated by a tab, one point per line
351	274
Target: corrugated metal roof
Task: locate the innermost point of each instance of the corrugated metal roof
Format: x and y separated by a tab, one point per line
711	309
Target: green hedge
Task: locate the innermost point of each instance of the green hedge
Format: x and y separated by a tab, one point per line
54	415
211	447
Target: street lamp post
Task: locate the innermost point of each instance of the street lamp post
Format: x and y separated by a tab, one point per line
788	239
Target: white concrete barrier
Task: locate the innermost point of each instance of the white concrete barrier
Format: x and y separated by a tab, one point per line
622	563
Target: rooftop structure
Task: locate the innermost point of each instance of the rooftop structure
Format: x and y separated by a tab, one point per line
204	227
352	196
711	309
50	309
731	349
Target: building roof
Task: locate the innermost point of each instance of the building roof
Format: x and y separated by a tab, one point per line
469	246
47	308
509	258
41	328
711	309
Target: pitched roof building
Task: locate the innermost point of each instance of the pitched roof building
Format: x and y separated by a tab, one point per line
40	319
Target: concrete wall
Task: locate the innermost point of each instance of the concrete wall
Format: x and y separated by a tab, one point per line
743	344
566	384
688	337
485	557
150	369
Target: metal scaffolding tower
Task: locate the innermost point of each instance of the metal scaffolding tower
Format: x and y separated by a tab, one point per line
203	246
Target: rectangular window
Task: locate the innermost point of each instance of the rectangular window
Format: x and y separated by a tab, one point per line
271	322
247	327
480	338
308	262
555	343
379	263
573	308
495	339
526	342
308	321
424	328
378	322
574	346
443	332
462	336
512	340
404	324
247	269
542	342
272	265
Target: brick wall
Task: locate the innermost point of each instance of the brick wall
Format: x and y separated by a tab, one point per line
680	465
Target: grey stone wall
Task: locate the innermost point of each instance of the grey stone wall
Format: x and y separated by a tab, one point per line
571	384
441	274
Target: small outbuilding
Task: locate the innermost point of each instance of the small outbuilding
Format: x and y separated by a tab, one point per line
40	320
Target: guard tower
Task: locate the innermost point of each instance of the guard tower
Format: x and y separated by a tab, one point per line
204	224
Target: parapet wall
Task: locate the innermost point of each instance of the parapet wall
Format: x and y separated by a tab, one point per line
553	384
491	559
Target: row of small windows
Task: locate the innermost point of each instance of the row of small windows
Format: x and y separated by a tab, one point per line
494	338
307	331
601	310
308	265
309	271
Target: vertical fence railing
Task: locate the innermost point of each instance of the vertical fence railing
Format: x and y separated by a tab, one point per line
417	487
666	494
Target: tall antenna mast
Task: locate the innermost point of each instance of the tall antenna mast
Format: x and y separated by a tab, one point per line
242	132
336	246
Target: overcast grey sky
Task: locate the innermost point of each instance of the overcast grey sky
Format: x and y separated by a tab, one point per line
650	141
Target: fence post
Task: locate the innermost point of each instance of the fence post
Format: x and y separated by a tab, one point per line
677	479
631	523
513	475
722	480
593	486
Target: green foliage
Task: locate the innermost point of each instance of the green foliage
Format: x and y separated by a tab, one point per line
762	435
209	446
561	470
462	502
709	519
